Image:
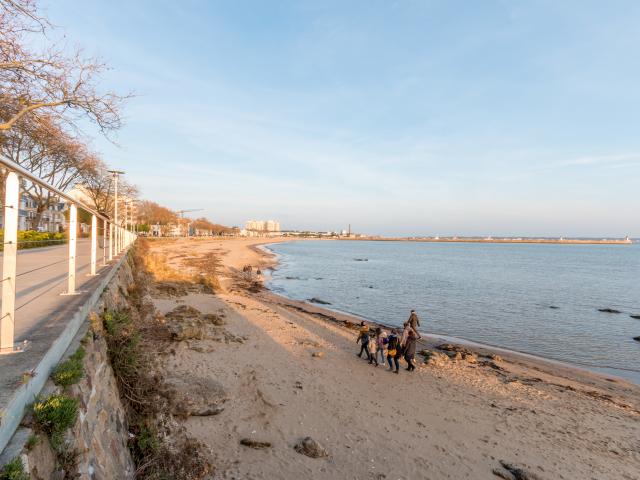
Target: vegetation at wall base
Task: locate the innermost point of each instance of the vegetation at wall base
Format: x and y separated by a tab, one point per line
70	371
134	337
14	470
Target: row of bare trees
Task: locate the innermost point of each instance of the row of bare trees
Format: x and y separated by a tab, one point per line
44	96
150	213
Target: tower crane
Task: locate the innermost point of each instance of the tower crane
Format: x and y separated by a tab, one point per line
189	210
182	212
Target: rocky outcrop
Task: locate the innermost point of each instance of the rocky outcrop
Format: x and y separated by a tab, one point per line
458	352
189	395
318	301
433	358
187	323
508	471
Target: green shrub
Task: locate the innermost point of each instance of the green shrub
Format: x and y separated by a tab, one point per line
14	470
147	442
33	239
55	414
70	371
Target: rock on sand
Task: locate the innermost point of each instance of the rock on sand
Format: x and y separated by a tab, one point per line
309	447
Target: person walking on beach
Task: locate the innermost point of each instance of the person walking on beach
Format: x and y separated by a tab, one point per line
410	351
414	321
405	333
363	340
393	350
373	349
382	340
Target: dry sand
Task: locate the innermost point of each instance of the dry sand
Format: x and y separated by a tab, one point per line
451	420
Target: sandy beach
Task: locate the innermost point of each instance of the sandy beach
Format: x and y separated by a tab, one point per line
287	370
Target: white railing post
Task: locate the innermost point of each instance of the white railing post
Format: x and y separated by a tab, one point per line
73	225
94	243
110	241
11	209
104	243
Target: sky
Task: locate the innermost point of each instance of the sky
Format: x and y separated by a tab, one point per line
397	117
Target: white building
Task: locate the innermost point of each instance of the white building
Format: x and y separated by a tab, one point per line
52	219
256	228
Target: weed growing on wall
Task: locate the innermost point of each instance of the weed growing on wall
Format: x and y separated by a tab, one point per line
70	371
55	414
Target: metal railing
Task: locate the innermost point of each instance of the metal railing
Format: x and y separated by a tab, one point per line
116	239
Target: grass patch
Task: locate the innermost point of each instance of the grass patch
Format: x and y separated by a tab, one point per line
55	414
14	470
70	371
32	441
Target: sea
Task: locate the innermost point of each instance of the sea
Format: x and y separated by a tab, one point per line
540	299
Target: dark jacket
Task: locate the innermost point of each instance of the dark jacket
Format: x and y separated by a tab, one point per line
410	347
394	344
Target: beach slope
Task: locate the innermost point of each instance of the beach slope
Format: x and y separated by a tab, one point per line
286	370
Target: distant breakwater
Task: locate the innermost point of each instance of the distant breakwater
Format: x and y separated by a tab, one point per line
568	241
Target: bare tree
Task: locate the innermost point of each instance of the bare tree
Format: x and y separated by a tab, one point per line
51	81
53	155
151	213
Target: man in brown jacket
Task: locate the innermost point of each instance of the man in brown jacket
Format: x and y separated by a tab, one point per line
414	321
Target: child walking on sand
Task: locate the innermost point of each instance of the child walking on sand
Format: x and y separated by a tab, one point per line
381	340
373	348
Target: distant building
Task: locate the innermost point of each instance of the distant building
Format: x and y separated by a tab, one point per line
259	228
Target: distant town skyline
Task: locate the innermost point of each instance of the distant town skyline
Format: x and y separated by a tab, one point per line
401	118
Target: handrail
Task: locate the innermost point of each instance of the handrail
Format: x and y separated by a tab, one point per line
16	167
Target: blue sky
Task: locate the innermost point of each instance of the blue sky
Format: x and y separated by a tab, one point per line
399	117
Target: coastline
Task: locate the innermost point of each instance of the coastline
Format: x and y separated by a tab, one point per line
289	371
582	372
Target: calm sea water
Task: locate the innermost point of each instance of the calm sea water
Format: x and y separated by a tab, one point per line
496	294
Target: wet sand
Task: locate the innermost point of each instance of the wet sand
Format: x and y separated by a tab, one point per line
449	419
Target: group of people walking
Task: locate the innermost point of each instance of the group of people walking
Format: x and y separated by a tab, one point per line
391	346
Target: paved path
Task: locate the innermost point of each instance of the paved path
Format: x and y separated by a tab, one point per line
41	310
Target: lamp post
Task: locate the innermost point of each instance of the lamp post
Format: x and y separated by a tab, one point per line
116	174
